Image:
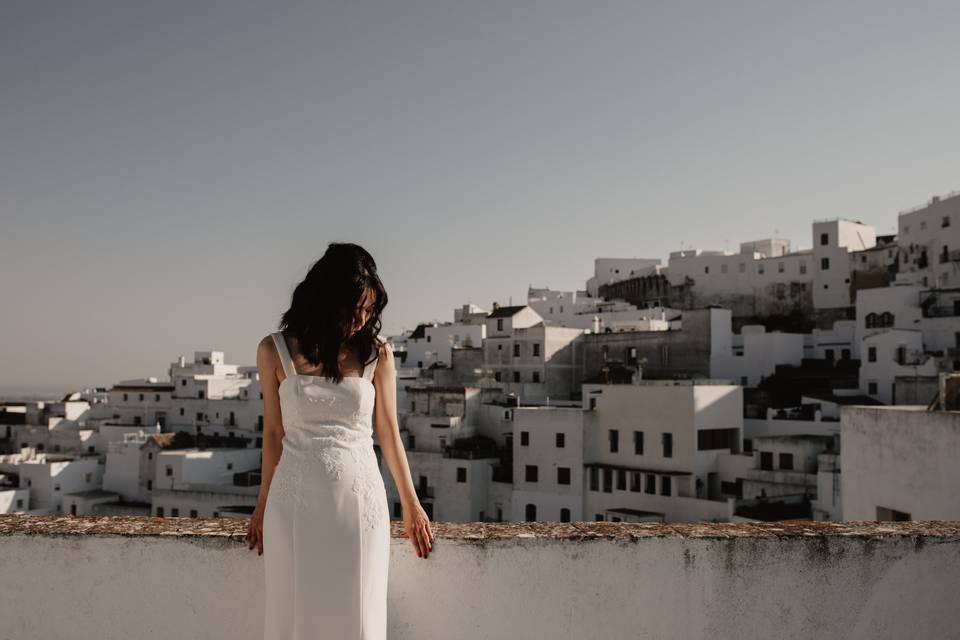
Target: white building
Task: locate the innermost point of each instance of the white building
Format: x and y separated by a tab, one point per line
900	463
206	482
430	344
655	447
132	463
528	358
548	471
610	270
929	240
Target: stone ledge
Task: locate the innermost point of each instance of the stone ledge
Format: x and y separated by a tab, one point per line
236	529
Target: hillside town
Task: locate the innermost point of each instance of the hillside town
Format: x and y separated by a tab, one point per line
770	383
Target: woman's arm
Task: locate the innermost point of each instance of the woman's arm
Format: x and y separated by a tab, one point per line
387	431
267	363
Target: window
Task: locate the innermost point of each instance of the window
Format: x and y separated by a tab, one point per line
780	267
174	512
516	376
516	350
636	481
193	513
200	394
824	264
706	269
824	239
872	388
667	441
531	473
766	460
157	398
614	437
536	348
638	443
199	416
159	512
621	480
760	268
183	382
593	403
607	480
413	441
710	439
598	517
181	410
665	485
141	397
594	479
461	474
563	475
786	461
871	354
125	397
428	339
149	485
499	324
524	438
946	221
536	376
497	376
564	515
803	267
561	440
169	471
531	513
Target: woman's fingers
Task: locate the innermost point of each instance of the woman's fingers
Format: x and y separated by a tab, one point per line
415	540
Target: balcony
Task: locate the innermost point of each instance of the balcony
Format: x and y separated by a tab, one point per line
128	577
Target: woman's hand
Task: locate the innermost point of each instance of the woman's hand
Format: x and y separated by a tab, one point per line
416	524
255	530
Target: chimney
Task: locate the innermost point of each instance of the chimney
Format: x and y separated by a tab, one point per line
496	305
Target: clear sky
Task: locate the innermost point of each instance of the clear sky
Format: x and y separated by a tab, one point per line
169	170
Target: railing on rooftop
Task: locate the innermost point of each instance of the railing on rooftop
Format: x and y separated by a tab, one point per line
931	201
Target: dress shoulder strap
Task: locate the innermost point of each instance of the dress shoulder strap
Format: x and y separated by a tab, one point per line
370	368
284	352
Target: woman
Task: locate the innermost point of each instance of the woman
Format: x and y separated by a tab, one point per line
322	522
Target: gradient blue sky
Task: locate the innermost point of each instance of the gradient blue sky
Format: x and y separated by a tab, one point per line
168	170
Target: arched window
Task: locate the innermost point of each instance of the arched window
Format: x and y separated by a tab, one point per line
531	513
887	319
564	515
871	320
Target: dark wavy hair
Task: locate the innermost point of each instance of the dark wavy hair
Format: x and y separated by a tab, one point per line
325	305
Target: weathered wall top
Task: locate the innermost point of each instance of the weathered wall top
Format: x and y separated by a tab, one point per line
235	529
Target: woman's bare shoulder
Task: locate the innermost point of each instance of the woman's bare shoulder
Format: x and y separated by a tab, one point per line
267	349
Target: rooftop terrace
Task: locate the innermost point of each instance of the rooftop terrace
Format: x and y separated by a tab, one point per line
131	577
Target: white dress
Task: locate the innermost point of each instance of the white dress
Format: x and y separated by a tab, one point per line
326	524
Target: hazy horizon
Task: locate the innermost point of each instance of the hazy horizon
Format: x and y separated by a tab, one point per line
170	170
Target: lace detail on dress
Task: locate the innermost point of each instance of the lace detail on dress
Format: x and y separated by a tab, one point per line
332	458
285	479
368	485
